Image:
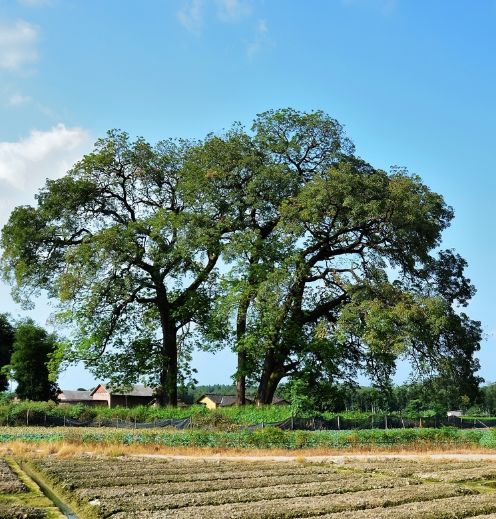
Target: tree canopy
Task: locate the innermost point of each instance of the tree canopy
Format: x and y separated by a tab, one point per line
6	343
279	241
33	350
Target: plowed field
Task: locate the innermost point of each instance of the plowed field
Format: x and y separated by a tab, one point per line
121	488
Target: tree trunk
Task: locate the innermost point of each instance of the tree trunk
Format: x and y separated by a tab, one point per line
272	373
241	379
169	369
167	394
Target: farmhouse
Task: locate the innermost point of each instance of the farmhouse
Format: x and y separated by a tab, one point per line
103	395
137	395
213	400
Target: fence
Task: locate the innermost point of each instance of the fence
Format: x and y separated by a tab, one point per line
293	423
35	418
339	423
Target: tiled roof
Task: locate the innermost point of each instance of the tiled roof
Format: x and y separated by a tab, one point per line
136	390
70	395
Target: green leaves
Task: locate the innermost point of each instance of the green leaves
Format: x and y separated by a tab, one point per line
33	356
279	242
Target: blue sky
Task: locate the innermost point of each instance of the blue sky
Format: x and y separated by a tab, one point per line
413	81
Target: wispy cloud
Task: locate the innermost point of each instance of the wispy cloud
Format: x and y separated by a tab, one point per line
35	3
260	40
191	15
232	10
385	7
17	45
18	100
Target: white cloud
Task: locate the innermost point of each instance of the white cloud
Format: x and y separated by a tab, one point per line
18	99
191	15
26	164
260	40
17	45
232	10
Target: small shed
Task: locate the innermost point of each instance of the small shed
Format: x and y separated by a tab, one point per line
213	400
138	394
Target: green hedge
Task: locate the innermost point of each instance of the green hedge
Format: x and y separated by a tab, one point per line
19	413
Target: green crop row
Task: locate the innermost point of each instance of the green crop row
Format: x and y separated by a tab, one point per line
268	437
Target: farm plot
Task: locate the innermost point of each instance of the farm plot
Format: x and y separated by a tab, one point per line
126	488
448	472
18	501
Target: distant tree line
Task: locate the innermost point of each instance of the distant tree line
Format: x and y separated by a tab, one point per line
434	396
26	351
429	397
277	241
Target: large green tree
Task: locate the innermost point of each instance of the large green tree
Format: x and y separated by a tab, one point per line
124	243
328	264
256	172
32	354
360	288
6	343
339	274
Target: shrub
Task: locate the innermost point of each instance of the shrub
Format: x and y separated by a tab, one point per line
488	439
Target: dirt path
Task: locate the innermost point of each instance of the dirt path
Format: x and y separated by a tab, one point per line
342	458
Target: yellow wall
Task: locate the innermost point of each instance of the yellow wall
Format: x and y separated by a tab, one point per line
209	403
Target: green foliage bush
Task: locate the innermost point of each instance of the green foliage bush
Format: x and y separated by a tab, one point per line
488	439
15	413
